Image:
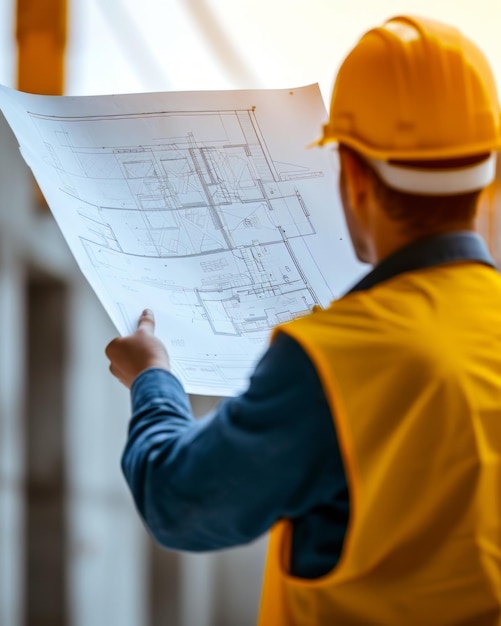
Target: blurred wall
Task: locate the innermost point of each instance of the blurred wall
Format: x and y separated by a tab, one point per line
489	215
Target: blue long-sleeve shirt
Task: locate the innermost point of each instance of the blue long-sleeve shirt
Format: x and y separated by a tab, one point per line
225	479
269	453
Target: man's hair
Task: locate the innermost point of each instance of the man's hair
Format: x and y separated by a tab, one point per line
421	212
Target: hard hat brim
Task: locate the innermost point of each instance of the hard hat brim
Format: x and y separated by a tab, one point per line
437	182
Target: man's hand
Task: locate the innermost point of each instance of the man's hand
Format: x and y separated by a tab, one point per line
132	355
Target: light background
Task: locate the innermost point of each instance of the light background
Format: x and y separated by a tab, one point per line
118	46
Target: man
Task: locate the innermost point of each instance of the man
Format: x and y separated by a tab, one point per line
369	439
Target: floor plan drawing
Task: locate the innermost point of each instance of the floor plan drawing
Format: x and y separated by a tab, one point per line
194	211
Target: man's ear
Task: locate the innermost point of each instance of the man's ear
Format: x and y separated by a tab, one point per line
357	181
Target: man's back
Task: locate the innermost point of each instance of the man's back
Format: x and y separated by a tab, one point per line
412	371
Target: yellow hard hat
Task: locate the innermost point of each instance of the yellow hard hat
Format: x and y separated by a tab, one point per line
416	90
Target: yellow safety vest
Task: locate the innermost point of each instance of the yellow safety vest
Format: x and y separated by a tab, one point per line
412	372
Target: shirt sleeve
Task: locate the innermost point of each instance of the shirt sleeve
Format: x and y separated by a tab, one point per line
224	479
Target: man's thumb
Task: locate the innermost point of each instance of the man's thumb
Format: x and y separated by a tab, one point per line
147	321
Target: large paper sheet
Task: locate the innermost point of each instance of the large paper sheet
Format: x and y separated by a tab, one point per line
203	206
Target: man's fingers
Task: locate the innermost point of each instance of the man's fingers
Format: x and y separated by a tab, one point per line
131	355
147	322
111	348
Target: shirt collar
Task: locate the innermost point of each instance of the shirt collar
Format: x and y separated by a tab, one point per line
428	252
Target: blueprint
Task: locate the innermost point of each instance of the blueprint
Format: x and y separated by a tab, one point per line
205	207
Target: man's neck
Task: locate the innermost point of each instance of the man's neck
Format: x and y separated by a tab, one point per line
390	239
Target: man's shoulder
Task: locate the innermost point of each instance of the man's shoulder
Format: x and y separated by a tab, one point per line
403	304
